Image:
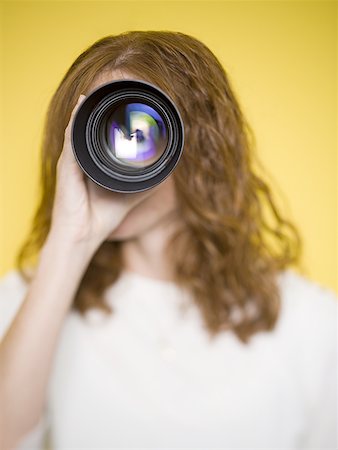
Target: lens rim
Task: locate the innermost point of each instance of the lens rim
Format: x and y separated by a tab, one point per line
87	124
95	128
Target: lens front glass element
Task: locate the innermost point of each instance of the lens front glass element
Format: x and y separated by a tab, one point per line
135	134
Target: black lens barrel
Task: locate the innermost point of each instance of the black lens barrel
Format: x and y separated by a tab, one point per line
90	145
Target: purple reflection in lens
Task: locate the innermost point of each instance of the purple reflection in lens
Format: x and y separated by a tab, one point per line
137	133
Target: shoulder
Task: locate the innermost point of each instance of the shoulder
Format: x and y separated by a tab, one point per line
12	292
306	304
309	312
307	328
293	282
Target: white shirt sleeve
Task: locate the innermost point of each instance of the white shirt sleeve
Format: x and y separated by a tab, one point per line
12	293
317	319
322	428
323	423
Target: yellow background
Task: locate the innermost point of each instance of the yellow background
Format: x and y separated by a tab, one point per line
281	61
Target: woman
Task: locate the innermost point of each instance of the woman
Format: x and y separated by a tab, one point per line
171	317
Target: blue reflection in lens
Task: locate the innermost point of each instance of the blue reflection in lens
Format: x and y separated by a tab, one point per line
137	133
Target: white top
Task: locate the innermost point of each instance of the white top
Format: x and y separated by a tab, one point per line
148	377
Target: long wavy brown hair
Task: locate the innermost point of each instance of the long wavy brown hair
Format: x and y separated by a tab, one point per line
226	254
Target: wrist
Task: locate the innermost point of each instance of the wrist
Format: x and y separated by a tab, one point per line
68	242
61	265
67	251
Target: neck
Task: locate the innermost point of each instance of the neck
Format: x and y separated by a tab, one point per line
146	254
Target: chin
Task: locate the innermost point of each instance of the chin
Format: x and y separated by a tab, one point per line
155	211
122	235
135	225
119	237
129	228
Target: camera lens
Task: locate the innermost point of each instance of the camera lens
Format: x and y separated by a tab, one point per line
134	135
127	135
